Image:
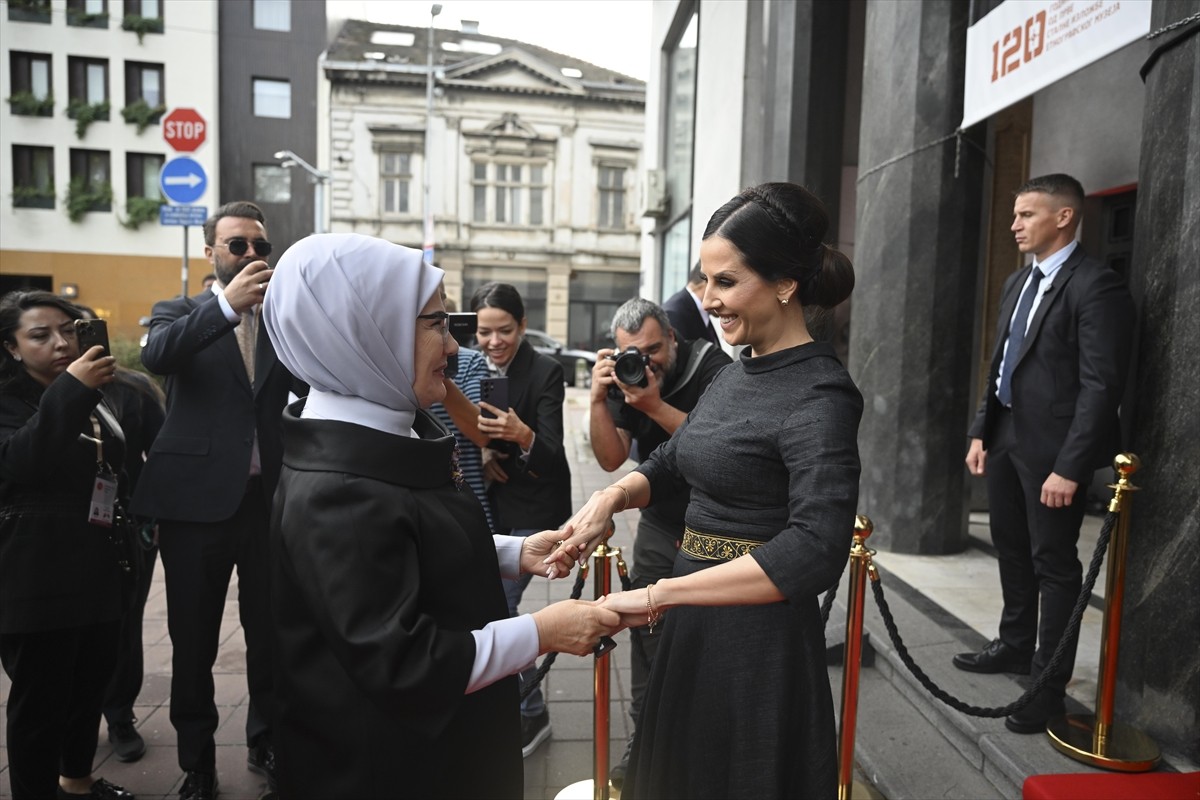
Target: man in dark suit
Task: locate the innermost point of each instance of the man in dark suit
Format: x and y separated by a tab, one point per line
1047	421
687	316
209	480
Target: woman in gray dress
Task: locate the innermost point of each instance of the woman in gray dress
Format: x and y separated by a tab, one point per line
739	703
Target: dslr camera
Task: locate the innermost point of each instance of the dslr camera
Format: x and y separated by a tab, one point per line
629	367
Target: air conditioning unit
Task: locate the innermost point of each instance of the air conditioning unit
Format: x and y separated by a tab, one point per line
654	194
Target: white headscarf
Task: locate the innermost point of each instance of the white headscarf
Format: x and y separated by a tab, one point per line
341	310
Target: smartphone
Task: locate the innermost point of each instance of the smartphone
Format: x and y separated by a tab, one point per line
92	332
494	391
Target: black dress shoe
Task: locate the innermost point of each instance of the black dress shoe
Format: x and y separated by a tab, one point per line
260	758
101	790
996	656
199	786
1045	705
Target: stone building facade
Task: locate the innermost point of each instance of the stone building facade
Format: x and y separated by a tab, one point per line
533	162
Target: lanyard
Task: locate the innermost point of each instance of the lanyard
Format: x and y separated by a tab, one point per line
97	440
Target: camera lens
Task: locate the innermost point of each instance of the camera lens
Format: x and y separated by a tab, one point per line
630	368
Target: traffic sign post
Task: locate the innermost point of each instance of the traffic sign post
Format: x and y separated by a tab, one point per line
182	179
184	129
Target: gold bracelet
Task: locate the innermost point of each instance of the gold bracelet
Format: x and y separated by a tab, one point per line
625	492
652	614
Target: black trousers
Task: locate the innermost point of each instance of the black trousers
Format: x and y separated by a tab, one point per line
198	559
654	552
1039	564
126	683
58	679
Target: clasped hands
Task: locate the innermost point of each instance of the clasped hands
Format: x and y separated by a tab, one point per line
575	626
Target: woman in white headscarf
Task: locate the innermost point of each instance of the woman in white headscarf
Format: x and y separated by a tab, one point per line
393	640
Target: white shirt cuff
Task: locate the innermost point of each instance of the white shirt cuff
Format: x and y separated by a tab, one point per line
508	551
227	309
502	648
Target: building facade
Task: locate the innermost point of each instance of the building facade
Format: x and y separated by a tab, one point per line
532	156
82	146
862	102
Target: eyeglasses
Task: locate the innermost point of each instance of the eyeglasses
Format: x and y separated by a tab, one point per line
442	319
238	246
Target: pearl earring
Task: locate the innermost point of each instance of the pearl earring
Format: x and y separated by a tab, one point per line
18	358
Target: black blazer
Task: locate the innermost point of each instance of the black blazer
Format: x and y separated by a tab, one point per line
681	310
57	570
1070	374
538	492
198	466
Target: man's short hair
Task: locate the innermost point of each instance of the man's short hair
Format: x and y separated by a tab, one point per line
633	314
238	208
1068	190
695	276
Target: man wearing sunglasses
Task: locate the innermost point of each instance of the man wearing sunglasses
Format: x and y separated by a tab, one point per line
209	480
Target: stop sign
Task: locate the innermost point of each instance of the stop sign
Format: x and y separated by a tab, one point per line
184	129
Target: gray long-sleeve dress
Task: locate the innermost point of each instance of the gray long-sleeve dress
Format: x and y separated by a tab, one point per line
739	703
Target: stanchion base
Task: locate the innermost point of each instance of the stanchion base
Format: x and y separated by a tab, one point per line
1125	750
584	790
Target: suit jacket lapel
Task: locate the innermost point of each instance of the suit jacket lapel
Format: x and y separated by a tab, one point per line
518	374
1049	299
264	357
227	345
1008	304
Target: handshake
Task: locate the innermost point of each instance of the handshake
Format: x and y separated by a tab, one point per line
579	627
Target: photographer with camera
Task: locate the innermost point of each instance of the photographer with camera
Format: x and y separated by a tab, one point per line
642	392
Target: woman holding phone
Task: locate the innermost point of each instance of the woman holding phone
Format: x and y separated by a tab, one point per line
60	585
531	482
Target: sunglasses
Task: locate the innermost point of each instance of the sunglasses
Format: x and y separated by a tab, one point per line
238	246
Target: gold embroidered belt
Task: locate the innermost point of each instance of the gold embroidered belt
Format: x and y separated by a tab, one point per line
709	547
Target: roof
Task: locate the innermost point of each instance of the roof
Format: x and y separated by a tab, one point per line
371	51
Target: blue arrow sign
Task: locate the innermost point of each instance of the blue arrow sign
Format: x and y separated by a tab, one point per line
183	180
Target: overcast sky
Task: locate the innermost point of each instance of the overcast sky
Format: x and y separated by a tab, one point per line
609	33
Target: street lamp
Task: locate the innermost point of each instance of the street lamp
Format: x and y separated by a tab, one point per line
318	180
428	244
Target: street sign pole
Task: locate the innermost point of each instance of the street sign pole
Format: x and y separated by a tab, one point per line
184	271
182	179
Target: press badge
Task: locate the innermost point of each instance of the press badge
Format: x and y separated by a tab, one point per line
104	496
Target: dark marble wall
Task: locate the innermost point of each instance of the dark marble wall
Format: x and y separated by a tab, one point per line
1159	673
916	259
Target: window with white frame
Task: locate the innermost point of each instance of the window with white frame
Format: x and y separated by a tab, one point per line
611	197
272	98
395	182
273	15
508	193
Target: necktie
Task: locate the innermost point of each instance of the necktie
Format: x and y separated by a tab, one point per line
710	333
1016	335
245	332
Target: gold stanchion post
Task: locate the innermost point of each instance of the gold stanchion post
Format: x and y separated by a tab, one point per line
598	788
860	565
1097	739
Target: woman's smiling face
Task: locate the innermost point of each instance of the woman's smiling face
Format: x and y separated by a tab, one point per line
747	307
499	334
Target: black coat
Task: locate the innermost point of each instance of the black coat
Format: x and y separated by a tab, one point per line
382	566
1070	374
538	491
198	466
57	570
685	319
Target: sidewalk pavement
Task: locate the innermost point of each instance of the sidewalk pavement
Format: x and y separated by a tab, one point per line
966	585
